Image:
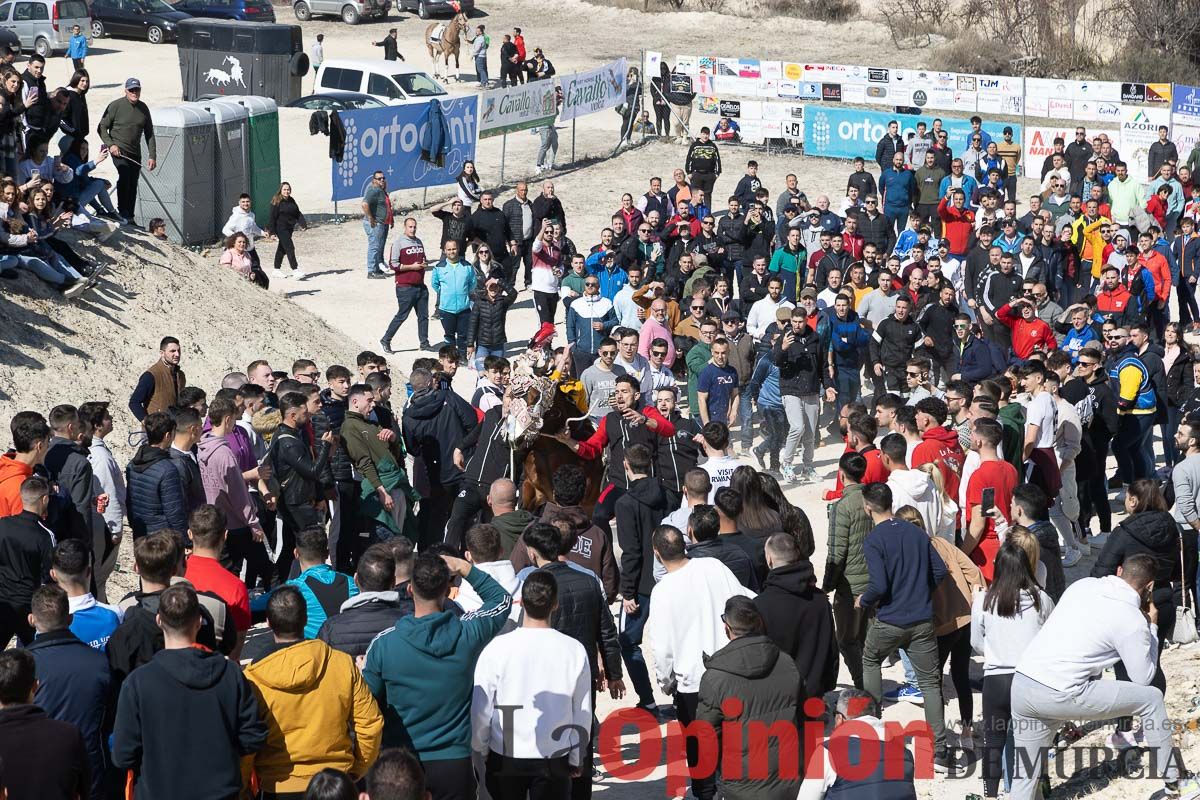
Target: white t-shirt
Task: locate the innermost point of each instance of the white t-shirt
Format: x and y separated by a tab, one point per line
720	472
1042	411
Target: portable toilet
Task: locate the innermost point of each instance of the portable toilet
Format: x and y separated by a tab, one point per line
263	152
180	188
232	176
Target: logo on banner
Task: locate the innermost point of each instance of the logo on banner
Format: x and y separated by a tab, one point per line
966	83
877	91
1158	92
1187	102
919	98
1139	122
1133	92
793	72
821	130
831	92
730	108
877	75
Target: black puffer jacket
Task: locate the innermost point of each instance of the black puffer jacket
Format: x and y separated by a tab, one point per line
515	214
434	423
800	621
333	414
583	615
298	473
801	365
752	669
1153	533
368	614
638	512
491	226
489	318
154	498
679	453
1180	379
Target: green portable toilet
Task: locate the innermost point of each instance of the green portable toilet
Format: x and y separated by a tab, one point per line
263	165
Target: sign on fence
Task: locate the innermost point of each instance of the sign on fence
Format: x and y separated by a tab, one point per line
594	90
840	132
391	139
1039	143
1139	130
515	108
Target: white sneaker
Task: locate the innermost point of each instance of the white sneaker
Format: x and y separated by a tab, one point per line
299	274
277	275
1071	557
1084	548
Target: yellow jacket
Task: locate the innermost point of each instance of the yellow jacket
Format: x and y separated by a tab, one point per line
310	696
1090	242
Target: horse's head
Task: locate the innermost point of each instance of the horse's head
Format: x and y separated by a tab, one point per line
460	20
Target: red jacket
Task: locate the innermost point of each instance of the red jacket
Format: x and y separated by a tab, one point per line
1160	269
957	226
1027	335
595	444
1114	301
876	471
853	244
940	445
672	231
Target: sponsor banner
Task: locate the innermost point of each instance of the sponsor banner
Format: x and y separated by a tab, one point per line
1039	143
709	105
1037	106
1133	92
1139	130
653	59
1185	105
1158	93
1060	108
595	90
1106	91
688	65
998	84
1096	111
731	84
1185	137
706	65
832	93
389	140
516	108
681	83
1008	105
802	90
841	132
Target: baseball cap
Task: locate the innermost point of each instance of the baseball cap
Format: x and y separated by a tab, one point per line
807	293
132	83
1007	130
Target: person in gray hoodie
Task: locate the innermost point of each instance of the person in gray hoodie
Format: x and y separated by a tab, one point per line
224	486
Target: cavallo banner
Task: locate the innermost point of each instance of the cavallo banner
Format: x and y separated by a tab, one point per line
390	140
594	90
515	108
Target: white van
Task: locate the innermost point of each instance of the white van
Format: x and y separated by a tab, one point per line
390	82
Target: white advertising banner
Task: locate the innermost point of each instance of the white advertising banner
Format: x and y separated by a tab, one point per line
1039	143
514	108
1139	130
594	90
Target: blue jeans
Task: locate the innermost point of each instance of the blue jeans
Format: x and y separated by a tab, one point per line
376	239
455	325
481	69
1167	431
482	352
408	298
745	415
37	266
849	386
96	190
630	638
775	430
1132	447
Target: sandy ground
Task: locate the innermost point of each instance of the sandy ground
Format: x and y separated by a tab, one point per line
96	349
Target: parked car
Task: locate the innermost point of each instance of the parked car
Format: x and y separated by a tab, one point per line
253	10
389	82
44	26
427	8
351	11
152	20
336	101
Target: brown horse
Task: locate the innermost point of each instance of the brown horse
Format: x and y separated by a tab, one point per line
548	454
447	44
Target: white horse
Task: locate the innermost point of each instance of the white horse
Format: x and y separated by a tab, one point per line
235	72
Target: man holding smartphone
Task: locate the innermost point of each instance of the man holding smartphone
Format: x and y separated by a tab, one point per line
989	496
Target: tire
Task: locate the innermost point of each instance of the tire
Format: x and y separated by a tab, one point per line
349	15
423	10
97	29
42	47
298	65
154	35
302	11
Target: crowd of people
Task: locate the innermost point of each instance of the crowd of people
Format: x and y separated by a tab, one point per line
439	615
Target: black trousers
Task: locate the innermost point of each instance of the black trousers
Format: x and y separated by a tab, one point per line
450	779
286	248
348	545
434	513
294	519
662	120
997	722
606	507
546	304
686	704
128	174
956	647
705	181
533	778
469	505
1093	494
14	621
241	549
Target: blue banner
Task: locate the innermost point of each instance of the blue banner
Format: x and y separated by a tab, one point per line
1185	104
838	132
389	139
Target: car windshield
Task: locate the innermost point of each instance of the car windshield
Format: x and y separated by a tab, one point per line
417	84
152	6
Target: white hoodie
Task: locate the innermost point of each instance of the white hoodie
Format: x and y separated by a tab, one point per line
242	222
1097	622
912	487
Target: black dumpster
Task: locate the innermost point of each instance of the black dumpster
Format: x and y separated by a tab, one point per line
220	57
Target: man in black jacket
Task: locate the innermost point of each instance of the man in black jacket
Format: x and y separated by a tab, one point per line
183	693
679	452
43	757
154	493
752	669
547	206
299	474
704	528
489	225
798	617
638	512
733	235
25	558
74	684
67	465
344	524
435	422
889	145
373	610
484	456
996	289
891	347
703	163
519	212
39	109
582	614
937	321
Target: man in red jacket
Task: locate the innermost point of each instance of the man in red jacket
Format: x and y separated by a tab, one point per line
958	222
1113	300
939	444
1156	262
1028	332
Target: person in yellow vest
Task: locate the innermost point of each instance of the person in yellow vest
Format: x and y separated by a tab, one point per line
159	387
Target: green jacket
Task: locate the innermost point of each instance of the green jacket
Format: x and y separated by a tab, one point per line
697	358
1012	419
846	567
125	124
361	438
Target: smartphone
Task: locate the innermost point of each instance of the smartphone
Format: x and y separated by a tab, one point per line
989	500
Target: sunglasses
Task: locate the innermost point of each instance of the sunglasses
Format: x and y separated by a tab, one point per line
659	353
1116	337
608	352
590	283
697	308
709	222
312	376
643	230
913	374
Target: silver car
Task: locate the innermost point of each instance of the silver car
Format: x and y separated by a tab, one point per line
351	11
44	26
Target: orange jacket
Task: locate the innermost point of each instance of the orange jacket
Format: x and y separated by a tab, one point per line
1161	270
12	474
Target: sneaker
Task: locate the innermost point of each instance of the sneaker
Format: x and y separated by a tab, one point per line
808	475
788	473
387	347
376	275
943	762
73	289
906	693
1084	547
299	274
1181	789
1071	557
426	346
277	275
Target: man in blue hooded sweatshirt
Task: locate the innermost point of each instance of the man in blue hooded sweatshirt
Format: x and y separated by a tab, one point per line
422	672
